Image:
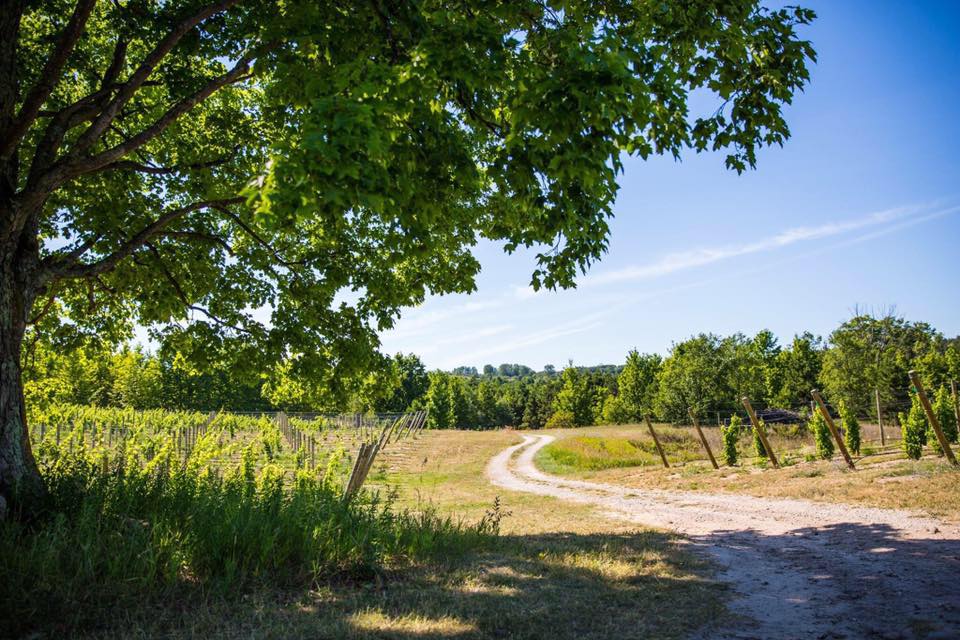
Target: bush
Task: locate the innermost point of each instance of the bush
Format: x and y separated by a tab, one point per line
913	427
851	429
561	419
758	443
821	435
730	434
943	409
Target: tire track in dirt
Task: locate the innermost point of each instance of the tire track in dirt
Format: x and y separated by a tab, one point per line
798	569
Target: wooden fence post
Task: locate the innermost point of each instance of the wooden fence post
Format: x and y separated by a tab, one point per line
932	417
760	431
883	439
656	441
833	428
703	439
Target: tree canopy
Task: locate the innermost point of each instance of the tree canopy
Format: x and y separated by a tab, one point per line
262	182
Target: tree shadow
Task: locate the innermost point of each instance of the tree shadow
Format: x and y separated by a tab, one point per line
564	585
844	580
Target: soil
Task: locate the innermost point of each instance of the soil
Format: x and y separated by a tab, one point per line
796	569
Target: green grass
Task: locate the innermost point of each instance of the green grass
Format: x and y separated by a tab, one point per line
594	453
115	537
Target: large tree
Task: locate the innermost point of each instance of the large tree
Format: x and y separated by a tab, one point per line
277	180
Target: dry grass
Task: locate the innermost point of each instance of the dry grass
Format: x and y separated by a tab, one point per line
929	485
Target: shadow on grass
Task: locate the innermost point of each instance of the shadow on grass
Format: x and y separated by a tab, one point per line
639	585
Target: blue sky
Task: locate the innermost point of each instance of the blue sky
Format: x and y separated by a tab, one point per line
860	208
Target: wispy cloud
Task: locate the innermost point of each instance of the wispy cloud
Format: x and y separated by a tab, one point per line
465	335
584	323
423	322
685	260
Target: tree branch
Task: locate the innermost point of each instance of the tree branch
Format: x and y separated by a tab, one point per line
197	235
49	77
151	169
74	166
253	234
183	296
130	87
60	267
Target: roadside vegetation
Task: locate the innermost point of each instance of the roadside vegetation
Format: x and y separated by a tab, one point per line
149	510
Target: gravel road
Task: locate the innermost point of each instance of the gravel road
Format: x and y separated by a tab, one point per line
798	569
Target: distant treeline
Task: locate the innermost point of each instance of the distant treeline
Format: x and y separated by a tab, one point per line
707	373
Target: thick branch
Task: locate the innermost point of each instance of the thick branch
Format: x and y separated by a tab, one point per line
74	166
10	18
61	267
48	79
130	87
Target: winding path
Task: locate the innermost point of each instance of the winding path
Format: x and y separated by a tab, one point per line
798	569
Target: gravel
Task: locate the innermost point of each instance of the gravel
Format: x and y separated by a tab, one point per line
797	569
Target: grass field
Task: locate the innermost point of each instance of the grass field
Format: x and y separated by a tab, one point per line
885	478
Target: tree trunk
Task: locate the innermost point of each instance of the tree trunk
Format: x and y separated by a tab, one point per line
20	482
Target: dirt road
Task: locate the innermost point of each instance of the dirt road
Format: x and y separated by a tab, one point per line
798	569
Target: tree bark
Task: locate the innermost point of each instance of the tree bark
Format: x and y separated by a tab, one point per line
20	483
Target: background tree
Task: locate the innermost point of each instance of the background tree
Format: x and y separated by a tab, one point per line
869	352
637	384
693	376
180	164
412	383
439	402
574	397
798	369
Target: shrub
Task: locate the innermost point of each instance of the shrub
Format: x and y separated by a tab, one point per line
851	428
730	435
943	409
913	426
758	443
821	435
561	419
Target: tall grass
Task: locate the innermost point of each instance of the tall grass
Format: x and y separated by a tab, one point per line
114	533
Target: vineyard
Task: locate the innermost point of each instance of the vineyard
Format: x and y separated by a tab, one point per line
326	446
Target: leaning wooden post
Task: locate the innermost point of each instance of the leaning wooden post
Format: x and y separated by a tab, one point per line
883	438
760	431
656	441
703	439
833	428
932	417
